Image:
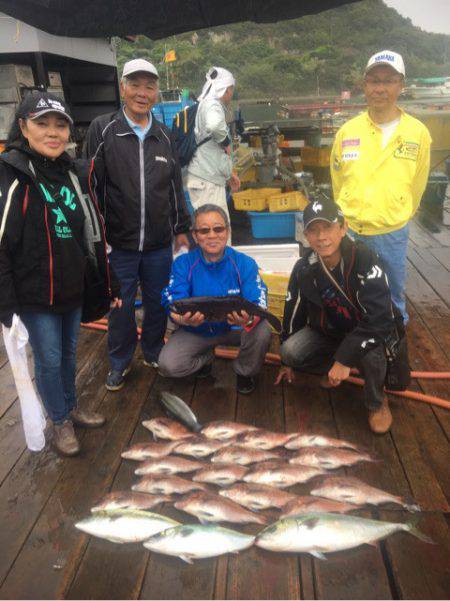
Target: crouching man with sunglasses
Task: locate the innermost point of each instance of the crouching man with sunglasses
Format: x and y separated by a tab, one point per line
215	269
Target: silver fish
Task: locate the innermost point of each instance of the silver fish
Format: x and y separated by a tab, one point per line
199	447
282	476
329	457
257	496
263	439
242	455
168	465
208	507
225	430
352	490
221	474
169	429
319	533
308	504
197	541
124	499
178	409
146	450
299	441
125	525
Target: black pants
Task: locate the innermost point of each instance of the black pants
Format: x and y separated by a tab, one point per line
312	352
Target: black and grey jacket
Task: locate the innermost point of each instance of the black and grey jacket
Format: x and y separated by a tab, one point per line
365	285
138	183
33	276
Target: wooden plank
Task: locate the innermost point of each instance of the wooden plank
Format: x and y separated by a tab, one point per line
409	579
419	236
169	577
39	473
422	295
255	573
110	571
432	271
442	255
83	479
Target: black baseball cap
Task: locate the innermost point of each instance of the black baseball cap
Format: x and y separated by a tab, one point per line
322	210
39	103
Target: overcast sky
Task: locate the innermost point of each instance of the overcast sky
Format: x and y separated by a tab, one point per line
430	15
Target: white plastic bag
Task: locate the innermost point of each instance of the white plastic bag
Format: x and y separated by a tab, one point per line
33	419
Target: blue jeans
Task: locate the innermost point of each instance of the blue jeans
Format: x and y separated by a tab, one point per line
392	249
53	338
151	270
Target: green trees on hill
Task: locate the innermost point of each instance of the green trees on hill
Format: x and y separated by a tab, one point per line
315	54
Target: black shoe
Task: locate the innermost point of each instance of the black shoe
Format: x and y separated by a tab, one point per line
245	384
204	372
115	380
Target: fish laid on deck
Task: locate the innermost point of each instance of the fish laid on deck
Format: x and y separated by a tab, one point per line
168	429
221	474
319	533
147	450
257	496
282	476
125	525
217	308
209	507
199	447
124	499
329	458
168	466
309	504
180	410
196	541
166	485
299	441
263	439
225	430
353	490
242	455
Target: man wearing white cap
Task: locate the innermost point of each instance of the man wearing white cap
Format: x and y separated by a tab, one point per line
211	168
379	168
138	180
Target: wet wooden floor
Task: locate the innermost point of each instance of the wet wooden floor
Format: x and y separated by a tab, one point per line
41	496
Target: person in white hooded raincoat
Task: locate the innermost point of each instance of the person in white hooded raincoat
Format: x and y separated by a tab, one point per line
210	169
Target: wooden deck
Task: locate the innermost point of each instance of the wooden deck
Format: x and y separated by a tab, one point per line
41	496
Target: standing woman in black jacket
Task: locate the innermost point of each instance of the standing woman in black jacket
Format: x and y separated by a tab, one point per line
51	240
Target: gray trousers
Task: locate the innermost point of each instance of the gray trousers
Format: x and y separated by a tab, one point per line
186	352
310	351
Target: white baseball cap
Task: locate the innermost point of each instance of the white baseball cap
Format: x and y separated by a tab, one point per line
387	57
139	65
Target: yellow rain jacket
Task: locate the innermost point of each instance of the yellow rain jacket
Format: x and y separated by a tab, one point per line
379	190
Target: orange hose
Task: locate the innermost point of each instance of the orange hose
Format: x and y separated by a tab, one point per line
274	359
409	394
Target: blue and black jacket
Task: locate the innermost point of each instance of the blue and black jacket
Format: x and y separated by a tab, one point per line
235	274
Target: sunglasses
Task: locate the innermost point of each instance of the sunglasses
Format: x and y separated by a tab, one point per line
217	229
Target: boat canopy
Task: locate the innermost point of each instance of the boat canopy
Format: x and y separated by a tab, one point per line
154	18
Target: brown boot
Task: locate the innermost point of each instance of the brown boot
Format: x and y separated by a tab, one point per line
87	419
64	439
380	420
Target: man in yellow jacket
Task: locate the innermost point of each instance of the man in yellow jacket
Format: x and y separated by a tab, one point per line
379	169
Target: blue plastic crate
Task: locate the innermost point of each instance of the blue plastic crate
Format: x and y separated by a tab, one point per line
273	225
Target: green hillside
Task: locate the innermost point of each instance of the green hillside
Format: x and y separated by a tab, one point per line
324	52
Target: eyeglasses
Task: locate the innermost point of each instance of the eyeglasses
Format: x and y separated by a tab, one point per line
204	231
383	82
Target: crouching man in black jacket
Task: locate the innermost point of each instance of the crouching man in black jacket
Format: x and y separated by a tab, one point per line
338	312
